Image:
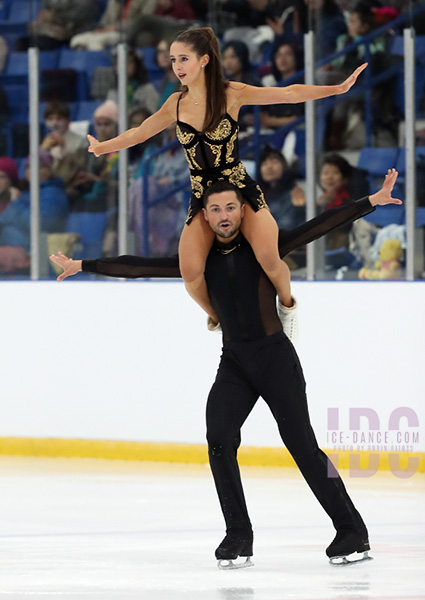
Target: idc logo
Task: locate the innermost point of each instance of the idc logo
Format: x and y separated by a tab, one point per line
366	436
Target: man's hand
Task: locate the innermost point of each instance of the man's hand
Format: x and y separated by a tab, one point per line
383	196
69	266
350	81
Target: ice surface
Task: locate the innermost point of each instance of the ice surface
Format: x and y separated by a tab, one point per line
113	530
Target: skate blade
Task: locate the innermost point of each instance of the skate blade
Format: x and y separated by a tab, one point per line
351	559
227	565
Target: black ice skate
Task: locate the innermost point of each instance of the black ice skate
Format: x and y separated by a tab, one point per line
348	547
233	546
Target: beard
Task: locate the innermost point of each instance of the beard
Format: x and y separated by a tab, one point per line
229	231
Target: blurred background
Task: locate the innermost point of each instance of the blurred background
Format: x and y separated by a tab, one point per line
72	67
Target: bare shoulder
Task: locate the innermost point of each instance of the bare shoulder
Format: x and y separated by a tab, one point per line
170	105
238	93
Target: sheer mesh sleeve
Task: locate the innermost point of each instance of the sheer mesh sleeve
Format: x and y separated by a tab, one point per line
132	267
319	226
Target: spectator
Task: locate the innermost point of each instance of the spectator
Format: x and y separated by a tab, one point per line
166	219
113	25
250	22
278	184
135	153
57	22
168	84
335	179
98	183
286	62
8	182
237	67
346	124
170	17
140	91
325	18
68	149
15	219
236	63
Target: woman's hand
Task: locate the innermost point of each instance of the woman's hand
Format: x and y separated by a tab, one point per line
350	81
93	145
69	266
383	196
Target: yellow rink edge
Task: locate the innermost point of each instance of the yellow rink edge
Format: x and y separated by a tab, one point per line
363	462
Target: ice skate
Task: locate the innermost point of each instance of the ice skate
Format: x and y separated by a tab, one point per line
348	547
289	319
233	547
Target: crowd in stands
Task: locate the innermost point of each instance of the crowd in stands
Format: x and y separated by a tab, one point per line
262	44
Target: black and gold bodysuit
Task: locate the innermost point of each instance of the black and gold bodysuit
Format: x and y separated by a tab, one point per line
214	156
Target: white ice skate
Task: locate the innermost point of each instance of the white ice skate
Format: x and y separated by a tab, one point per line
351	559
289	319
227	565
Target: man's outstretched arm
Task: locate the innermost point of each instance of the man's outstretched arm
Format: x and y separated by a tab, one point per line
129	267
335	217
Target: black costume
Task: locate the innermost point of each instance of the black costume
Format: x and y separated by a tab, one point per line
257	360
214	156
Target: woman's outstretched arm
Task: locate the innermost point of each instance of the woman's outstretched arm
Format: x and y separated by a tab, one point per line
291	94
154	124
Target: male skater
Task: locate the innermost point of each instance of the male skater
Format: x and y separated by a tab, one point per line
257	360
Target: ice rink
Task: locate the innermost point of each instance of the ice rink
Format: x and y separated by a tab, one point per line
94	529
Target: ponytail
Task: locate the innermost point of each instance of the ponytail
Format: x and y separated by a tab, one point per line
204	41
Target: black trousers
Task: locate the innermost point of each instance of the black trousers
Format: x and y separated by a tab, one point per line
269	368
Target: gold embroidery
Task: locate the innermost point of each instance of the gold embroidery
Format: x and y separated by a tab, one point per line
230	146
197	187
262	202
221	132
184	138
216	150
189	215
190	155
236	175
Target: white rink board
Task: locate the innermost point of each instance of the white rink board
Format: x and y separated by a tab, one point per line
134	361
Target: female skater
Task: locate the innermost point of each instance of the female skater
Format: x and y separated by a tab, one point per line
206	111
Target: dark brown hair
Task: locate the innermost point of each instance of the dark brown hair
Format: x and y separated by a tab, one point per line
222	186
57	108
204	41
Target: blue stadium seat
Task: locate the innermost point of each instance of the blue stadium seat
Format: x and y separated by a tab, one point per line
12	32
401	160
91	227
17	63
83	62
84	110
23	11
420	216
4	10
397	46
377	161
393	214
16	90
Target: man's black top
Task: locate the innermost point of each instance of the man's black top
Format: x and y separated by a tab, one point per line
240	291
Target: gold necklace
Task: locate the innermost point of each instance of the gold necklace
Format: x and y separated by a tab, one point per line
223	251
